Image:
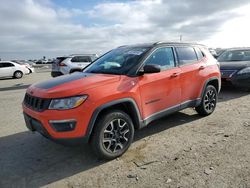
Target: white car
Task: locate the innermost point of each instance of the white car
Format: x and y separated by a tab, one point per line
11	69
28	64
70	64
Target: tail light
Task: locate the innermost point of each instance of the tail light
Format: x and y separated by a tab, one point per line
62	65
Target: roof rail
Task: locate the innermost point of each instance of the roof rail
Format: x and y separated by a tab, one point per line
122	46
158	42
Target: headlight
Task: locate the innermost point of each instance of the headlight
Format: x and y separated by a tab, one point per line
244	71
67	103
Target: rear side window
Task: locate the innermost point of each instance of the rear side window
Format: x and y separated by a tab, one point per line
163	57
199	53
7	65
81	59
186	55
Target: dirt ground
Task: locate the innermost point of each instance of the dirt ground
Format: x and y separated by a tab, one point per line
181	150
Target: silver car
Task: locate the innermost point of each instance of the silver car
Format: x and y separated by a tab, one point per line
69	64
11	69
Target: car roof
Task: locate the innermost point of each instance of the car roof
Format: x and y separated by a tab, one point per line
6	61
238	48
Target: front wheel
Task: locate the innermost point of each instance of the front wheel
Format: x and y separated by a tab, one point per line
208	102
113	134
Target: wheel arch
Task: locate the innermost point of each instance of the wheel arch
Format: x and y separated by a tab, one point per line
128	105
75	70
214	81
18	70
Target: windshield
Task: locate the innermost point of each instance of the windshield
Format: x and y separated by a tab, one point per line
118	61
235	55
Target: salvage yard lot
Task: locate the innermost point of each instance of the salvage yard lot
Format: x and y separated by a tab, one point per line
181	150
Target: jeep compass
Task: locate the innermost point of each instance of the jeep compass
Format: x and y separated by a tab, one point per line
122	91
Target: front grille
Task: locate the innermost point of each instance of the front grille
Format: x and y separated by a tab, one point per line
227	73
35	103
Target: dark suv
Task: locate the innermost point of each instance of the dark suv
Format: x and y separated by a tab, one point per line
123	90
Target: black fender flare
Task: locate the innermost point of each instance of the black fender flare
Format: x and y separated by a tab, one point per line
135	109
206	83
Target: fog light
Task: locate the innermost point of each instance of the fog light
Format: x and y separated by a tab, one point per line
63	125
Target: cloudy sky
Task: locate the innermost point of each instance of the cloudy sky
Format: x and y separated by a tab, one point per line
33	28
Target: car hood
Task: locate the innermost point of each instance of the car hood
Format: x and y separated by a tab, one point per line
70	85
234	65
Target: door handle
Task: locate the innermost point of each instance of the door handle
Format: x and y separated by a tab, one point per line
202	67
175	75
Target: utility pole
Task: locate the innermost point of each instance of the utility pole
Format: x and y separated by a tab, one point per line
180	38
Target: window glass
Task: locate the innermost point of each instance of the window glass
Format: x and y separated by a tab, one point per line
8	65
234	55
186	55
118	61
163	57
199	53
81	59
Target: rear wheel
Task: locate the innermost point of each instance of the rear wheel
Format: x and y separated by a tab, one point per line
113	134
208	102
18	74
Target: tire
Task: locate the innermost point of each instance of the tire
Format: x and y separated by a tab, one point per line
74	70
18	74
118	136
208	102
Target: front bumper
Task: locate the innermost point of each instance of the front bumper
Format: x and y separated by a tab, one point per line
242	80
239	80
42	122
231	77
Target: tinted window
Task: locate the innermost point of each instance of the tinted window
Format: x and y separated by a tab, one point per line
186	55
7	65
163	57
81	59
199	53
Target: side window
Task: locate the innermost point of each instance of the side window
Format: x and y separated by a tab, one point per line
77	59
163	57
8	65
186	55
1	65
199	53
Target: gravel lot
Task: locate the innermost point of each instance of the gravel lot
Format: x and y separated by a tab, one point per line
181	150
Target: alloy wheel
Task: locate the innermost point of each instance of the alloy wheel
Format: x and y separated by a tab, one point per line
116	135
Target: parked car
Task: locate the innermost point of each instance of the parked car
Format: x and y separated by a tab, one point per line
28	64
235	67
213	52
123	90
70	64
11	69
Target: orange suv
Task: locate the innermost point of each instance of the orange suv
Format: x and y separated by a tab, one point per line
121	91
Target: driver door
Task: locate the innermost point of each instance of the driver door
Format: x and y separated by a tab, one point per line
160	91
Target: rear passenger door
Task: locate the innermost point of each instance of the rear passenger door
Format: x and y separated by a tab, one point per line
192	65
160	91
81	61
7	69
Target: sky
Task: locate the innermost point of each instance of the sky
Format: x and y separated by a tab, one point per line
31	29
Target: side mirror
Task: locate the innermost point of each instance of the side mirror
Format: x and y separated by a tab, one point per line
150	68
